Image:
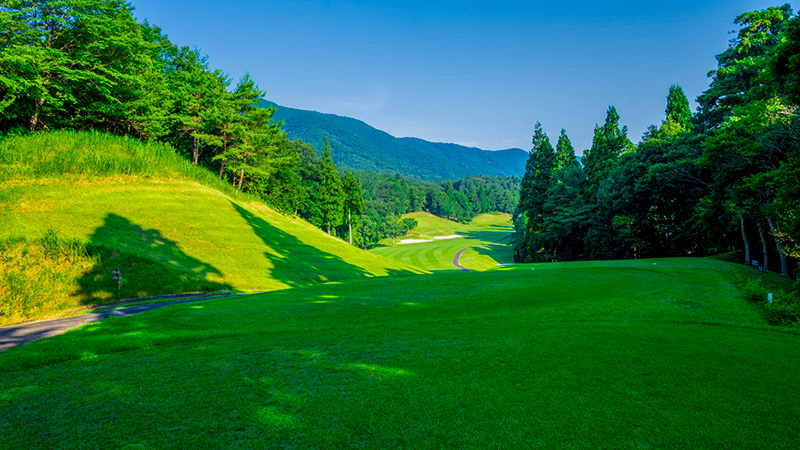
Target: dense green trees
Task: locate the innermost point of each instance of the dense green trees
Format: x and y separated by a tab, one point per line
73	64
723	178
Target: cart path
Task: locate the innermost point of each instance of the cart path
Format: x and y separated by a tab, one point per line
458	253
16	335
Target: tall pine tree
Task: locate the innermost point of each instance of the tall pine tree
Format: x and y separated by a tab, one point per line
565	152
608	143
353	200
533	192
332	196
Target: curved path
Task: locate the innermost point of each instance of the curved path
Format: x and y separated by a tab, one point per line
16	335
458	253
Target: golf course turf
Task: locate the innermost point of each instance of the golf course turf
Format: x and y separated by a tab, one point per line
488	234
619	354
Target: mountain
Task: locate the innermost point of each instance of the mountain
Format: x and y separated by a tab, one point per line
357	145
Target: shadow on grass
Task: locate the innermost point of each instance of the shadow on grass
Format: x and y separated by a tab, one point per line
150	264
297	263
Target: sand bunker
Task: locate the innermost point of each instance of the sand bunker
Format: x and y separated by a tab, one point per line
414	241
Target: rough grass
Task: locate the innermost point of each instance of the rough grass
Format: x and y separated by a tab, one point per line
94	154
438	255
168	226
590	355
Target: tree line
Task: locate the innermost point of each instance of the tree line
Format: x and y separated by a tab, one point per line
726	177
388	197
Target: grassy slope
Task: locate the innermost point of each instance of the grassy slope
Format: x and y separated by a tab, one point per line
165	218
438	255
612	355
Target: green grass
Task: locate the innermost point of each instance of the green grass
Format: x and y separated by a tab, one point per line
169	226
438	255
601	355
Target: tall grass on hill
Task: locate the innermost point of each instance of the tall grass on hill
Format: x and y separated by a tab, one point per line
95	154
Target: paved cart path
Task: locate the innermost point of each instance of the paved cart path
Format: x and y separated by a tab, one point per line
16	335
458	253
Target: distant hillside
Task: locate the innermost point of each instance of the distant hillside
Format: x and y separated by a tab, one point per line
359	146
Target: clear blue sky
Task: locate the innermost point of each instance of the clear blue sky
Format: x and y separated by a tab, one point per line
477	73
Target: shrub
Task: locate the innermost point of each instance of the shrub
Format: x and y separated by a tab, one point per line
785	307
784	310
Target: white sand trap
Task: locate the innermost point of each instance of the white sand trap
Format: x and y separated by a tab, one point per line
414	241
452	236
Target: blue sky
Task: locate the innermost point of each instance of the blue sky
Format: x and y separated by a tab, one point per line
478	73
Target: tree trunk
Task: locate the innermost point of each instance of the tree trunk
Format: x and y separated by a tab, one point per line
241	174
224	149
35	117
779	246
764	250
195	150
329	229
350	227
746	241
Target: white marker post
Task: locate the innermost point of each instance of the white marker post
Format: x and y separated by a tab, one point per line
117	275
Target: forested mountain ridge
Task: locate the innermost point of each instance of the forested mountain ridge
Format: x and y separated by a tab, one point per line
357	145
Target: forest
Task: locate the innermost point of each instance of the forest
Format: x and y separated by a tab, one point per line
89	65
724	179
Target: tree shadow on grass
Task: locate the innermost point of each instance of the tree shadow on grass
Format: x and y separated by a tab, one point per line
296	263
151	265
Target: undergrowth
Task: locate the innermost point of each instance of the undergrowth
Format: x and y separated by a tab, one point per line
781	308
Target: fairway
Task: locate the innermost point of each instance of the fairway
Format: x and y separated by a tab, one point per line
602	355
489	231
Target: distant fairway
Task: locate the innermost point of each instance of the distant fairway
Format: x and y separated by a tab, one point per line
591	355
438	254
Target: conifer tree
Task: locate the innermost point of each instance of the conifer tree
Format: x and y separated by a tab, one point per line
197	92
678	110
331	195
533	192
608	143
353	200
565	152
257	135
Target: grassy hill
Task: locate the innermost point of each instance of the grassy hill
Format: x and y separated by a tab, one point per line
359	146
437	255
76	206
613	354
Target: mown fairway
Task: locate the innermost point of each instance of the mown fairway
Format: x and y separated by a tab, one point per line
437	255
591	355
